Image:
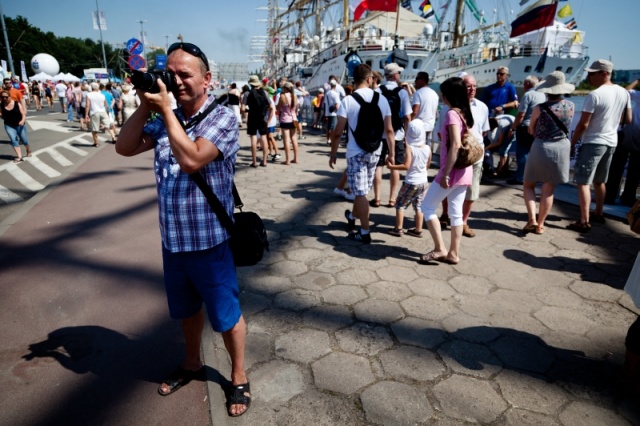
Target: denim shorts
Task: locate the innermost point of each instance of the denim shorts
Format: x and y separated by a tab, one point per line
208	276
592	164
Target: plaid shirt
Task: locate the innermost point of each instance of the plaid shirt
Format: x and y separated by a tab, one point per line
187	222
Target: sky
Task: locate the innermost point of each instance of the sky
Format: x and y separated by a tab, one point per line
223	28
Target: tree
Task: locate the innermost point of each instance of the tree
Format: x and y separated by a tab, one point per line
73	54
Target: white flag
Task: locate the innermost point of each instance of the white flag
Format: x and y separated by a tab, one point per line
23	71
99	23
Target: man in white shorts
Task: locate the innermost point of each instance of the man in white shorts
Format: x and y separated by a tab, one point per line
97	109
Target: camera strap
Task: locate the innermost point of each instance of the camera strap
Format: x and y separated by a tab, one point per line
199	117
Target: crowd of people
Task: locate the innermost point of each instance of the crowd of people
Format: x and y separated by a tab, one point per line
95	106
538	124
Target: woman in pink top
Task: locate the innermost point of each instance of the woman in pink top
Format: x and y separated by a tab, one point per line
286	109
449	183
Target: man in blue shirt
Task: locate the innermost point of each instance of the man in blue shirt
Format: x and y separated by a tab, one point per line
197	260
501	95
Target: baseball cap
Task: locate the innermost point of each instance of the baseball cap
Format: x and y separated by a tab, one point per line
601	65
392	68
333	83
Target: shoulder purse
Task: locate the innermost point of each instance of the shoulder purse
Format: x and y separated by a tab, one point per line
248	234
470	151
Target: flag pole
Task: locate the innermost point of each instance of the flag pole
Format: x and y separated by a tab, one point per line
397	16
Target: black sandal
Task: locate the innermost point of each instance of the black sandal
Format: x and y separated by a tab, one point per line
179	378
240	395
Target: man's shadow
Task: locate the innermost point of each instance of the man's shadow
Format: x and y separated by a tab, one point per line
112	356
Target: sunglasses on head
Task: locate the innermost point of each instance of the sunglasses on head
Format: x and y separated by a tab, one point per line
191	49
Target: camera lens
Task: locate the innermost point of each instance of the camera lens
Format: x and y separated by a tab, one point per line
144	81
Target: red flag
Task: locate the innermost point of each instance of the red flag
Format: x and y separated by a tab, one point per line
539	15
376	5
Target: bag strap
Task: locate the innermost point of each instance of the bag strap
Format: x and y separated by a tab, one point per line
212	198
555	118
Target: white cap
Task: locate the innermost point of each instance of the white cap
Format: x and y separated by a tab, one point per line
416	135
333	83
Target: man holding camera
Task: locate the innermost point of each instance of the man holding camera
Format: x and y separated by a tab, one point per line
197	260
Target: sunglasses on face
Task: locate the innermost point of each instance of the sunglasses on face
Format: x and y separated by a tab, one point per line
501	73
191	49
4	97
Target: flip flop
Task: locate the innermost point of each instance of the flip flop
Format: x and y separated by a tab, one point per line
179	378
539	230
529	227
240	395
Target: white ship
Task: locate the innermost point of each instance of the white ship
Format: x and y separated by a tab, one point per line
310	39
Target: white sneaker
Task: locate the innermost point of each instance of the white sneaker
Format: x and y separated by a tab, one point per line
349	196
340	192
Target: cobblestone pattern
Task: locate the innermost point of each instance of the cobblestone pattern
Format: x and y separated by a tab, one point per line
527	329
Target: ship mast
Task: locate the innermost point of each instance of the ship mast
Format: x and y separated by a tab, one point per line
457	31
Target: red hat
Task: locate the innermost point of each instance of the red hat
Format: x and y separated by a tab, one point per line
265	80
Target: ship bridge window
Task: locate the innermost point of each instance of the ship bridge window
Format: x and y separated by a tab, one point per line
558	68
381	65
369	62
417	64
527	68
569	70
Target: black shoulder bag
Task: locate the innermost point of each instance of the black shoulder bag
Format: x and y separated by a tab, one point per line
555	119
248	234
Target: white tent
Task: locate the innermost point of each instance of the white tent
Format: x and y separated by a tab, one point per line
41	76
60	76
70	77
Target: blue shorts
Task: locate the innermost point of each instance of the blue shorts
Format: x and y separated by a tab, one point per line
332	121
208	276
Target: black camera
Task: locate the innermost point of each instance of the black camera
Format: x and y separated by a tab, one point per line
148	81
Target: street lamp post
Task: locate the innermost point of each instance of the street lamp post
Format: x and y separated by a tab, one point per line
166	46
6	41
104	57
142	22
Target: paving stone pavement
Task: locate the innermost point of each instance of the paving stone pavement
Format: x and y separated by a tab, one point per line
526	330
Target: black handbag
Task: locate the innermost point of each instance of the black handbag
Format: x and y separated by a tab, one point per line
248	234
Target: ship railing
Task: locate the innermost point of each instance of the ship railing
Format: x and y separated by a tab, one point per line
569	50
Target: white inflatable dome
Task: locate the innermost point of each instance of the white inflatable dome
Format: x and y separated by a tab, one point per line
43	62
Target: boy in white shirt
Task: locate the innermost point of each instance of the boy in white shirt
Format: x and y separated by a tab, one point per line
414	187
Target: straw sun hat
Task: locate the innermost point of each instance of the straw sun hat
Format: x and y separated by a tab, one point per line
554	84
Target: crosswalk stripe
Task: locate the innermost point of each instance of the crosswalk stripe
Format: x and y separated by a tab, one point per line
9	196
59	158
24	179
75	149
43	167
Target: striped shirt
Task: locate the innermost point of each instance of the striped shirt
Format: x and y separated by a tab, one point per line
187	222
